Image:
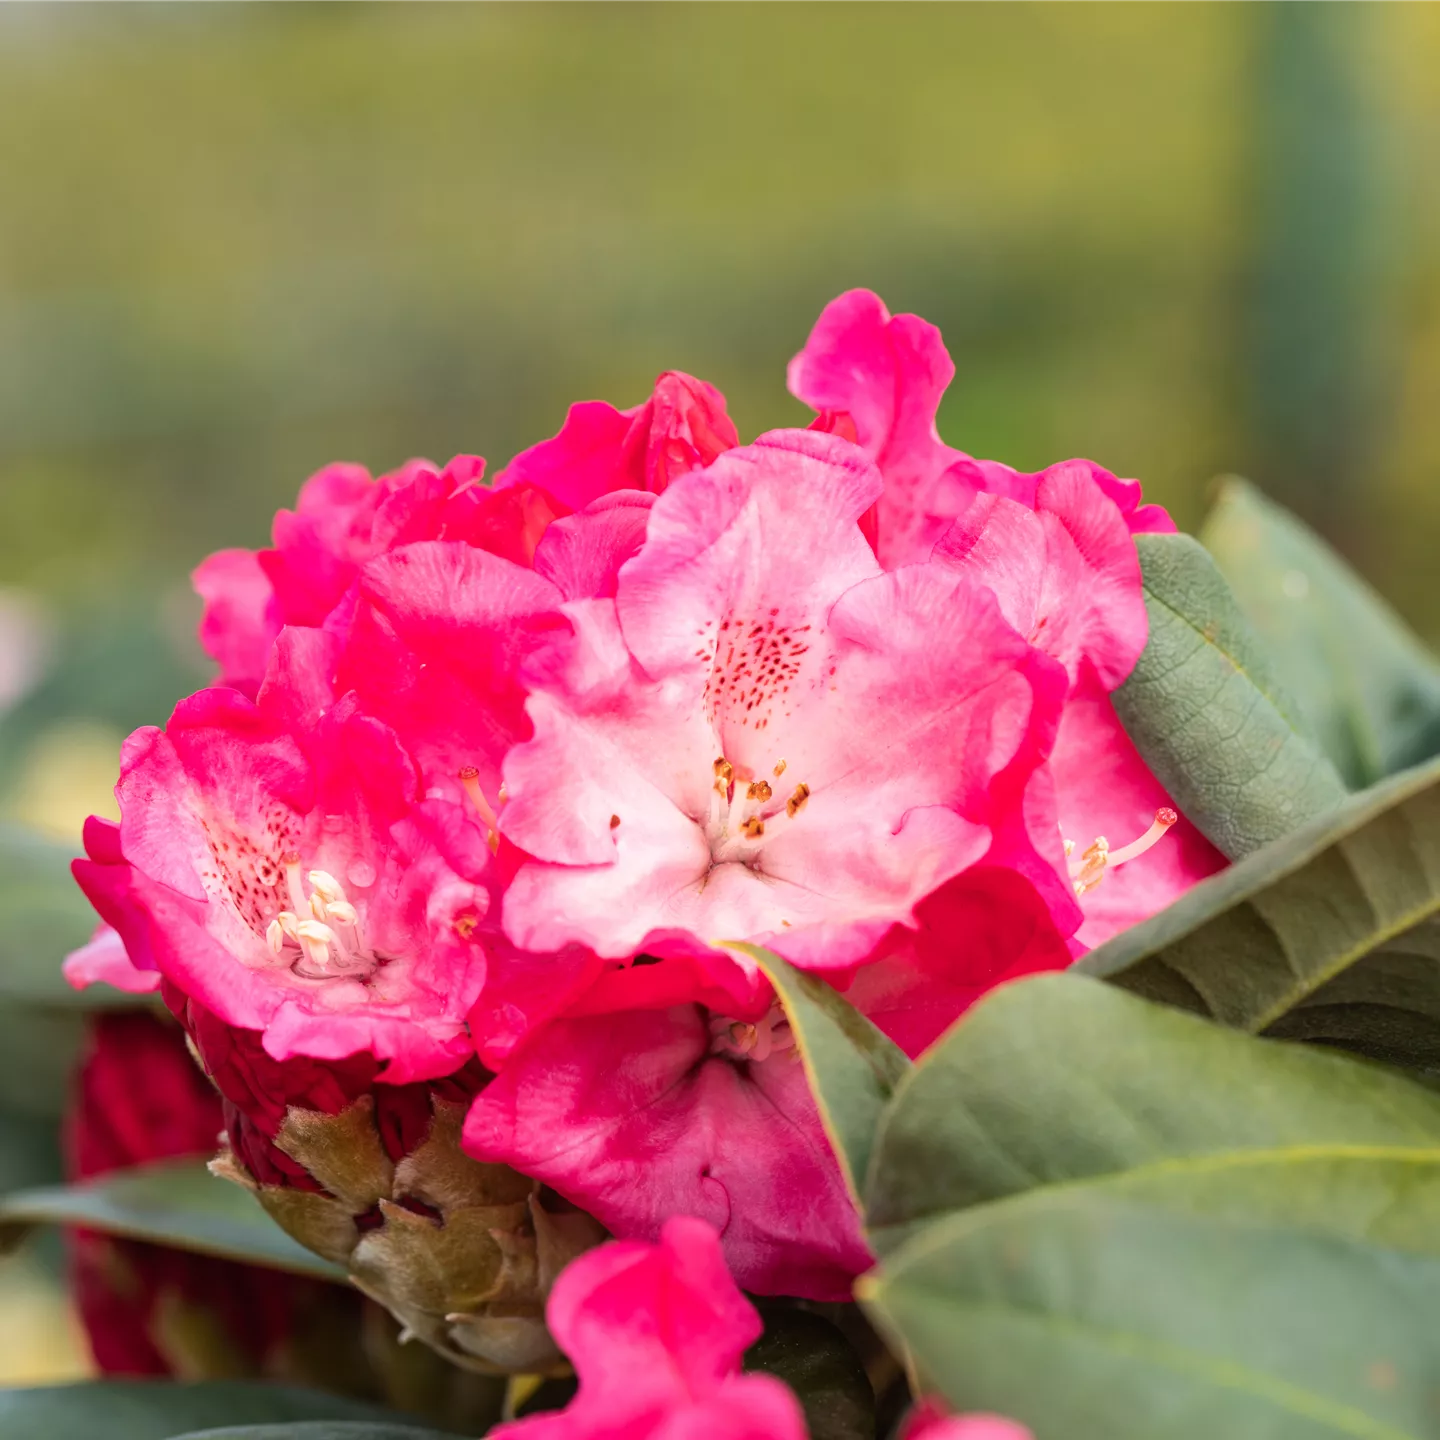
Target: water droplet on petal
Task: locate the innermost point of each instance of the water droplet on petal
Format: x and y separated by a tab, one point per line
360	873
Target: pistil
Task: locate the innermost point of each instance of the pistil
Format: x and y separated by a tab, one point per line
1097	857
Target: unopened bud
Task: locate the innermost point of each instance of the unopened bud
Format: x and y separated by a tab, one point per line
462	1253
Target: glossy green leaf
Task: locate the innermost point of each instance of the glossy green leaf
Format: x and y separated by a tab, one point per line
176	1203
819	1364
1206	708
1370	689
1330	934
1059	1081
1090	1316
319	1430
158	1410
852	1067
43	916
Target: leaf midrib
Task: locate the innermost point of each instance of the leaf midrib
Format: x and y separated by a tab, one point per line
961	1218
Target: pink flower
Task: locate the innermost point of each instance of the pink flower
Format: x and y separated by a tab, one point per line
675	1089
599	450
295	884
883	376
105	961
342	519
763	736
656	1333
1065	572
930	1421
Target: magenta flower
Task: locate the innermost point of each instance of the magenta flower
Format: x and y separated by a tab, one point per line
763	736
293	885
666	1092
1065	572
879	378
342	519
682	427
656	1333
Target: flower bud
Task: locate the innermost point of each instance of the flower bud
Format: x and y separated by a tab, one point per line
372	1177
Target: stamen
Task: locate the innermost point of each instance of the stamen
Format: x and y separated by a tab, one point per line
798	796
275	936
724	770
315	940
342	912
1089	870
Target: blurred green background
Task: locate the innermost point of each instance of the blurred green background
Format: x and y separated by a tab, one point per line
239	242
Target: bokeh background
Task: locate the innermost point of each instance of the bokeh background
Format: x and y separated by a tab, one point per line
237	242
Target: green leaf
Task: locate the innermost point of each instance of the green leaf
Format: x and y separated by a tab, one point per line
39	1053
851	1066
1206	709
1056	1081
1370	689
1091	1317
819	1364
29	1151
175	1203
158	1410
1330	934
319	1430
43	916
1115	1221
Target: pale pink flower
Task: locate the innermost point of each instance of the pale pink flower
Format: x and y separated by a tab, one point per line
763	736
656	1333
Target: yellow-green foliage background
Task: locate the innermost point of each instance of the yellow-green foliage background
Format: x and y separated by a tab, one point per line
237	242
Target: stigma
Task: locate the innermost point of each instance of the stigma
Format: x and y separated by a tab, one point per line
1088	869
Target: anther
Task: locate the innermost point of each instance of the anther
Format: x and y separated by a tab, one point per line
315	940
341	912
798	796
754	828
759	790
275	936
779	768
724	770
325	885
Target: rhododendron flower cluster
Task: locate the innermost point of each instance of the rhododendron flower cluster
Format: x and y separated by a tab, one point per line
493	770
